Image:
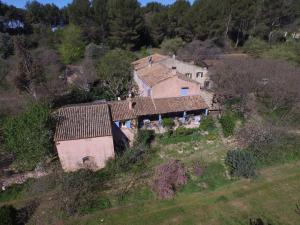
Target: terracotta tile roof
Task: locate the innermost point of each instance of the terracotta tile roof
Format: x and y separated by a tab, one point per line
154	74
141	63
179	104
94	119
143	106
120	110
83	121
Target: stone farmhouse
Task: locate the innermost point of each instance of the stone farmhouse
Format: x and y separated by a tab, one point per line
87	134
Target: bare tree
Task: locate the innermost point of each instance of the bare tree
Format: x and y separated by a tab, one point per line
276	81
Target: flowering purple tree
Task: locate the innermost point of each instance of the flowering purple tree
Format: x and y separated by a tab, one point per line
168	178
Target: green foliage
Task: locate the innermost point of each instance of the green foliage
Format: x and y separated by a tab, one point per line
287	51
241	163
8	215
72	46
170	46
168	123
145	137
182	131
125	23
212	178
11	193
3	73
256	46
6	45
115	72
284	149
207	124
228	123
28	136
78	193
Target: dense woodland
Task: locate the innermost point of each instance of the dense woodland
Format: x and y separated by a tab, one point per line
43	46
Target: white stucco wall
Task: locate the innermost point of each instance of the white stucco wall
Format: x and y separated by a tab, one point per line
184	68
72	152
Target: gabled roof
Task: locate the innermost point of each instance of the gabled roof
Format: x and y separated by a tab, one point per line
156	72
94	119
83	121
144	62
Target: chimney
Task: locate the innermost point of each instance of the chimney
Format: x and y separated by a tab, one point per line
131	102
150	62
174	70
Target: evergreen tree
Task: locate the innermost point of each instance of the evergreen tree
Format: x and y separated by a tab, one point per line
125	23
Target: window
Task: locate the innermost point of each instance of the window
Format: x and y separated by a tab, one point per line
199	74
184	91
149	92
189	75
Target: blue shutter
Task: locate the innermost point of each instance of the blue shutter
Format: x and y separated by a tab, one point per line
128	124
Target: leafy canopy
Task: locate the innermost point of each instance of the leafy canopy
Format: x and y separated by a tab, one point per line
28	136
72	46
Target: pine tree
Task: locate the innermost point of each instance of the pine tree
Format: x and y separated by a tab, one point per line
125	23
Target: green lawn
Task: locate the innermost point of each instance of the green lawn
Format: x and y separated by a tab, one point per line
273	197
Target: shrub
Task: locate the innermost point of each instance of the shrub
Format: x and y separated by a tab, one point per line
228	124
182	131
145	137
72	46
169	177
168	123
28	136
170	46
207	124
78	192
8	215
241	163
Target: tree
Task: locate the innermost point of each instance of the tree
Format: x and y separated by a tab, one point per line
8	215
115	73
157	24
72	46
28	136
30	73
6	45
241	163
125	23
80	12
170	46
176	19
99	8
168	178
48	14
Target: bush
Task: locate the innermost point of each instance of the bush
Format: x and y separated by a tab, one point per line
168	123
170	46
207	124
169	177
72	46
145	137
241	163
79	192
182	131
28	136
8	215
228	123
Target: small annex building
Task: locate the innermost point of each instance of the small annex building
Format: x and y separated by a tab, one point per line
86	134
83	136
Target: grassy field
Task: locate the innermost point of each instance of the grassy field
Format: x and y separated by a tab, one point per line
272	196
